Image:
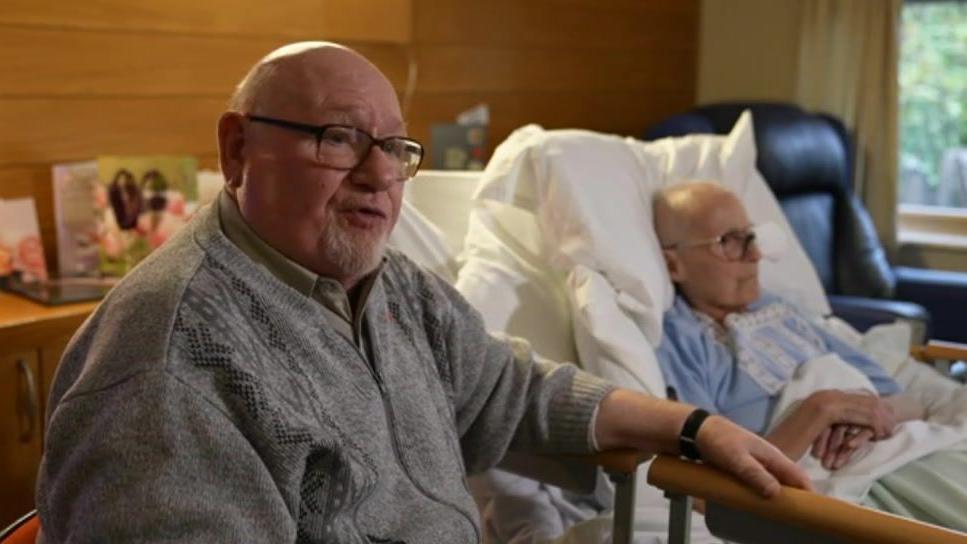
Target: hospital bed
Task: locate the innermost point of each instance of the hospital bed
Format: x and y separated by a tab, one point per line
517	279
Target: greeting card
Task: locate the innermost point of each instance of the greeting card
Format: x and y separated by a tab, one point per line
138	204
74	186
21	250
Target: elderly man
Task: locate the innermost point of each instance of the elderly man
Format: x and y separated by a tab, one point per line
274	374
731	349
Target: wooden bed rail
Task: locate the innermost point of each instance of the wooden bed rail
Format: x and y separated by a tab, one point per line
621	461
817	513
939	349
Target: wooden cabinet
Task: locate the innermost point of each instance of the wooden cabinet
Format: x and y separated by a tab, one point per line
32	339
20	431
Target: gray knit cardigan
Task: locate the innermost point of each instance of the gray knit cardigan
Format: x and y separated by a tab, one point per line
207	401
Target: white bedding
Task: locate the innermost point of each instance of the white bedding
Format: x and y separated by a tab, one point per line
944	428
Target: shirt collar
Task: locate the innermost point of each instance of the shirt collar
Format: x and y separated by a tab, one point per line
717	329
326	291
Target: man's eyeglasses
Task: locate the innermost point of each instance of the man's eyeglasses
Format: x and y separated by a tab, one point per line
345	147
734	245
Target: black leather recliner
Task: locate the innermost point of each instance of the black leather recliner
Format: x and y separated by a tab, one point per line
806	158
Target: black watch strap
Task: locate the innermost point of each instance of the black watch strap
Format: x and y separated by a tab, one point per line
686	440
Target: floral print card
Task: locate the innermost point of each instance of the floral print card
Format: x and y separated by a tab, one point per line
139	203
21	250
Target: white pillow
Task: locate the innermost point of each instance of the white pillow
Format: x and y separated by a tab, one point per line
433	219
504	277
444	198
608	334
423	242
592	197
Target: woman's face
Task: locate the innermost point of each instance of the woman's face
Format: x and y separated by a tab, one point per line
709	280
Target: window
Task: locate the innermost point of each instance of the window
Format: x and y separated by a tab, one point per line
933	104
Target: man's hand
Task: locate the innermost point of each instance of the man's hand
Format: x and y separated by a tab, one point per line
757	463
627	419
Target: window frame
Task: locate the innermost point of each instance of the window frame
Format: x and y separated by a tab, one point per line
931	226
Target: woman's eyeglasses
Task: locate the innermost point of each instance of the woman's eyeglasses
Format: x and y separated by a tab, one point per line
734	245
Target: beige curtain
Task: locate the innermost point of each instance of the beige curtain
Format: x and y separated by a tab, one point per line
848	56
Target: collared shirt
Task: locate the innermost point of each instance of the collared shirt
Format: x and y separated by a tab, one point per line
345	318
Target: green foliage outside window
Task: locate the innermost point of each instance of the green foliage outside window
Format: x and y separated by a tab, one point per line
933	94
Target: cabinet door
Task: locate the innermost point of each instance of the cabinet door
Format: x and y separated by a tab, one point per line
20	432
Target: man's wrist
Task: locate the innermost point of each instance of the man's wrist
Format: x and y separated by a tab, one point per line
688	437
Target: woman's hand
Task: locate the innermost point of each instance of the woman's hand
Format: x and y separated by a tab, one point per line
811	425
835	407
839	444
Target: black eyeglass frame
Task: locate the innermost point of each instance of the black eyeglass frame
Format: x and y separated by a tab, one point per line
748	237
319	130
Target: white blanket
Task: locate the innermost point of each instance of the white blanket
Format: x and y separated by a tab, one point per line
945	427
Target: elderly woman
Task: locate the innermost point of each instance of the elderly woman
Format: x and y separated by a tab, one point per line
731	349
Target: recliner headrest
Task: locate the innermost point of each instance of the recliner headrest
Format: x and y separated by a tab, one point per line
799	152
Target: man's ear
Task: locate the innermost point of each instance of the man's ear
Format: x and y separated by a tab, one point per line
676	269
231	145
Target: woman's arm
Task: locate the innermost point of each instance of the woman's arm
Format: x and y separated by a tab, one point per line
905	408
797	432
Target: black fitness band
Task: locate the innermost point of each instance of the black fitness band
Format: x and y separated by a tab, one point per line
686	440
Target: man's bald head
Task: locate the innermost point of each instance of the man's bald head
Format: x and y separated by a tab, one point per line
679	210
298	74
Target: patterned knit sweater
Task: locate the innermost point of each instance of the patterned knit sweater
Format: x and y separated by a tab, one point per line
207	401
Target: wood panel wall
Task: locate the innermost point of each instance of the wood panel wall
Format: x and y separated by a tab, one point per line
749	50
82	79
609	65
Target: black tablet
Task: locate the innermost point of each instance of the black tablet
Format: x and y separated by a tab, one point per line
60	291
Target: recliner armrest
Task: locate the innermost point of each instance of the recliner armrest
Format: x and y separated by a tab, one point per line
942	293
863	313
